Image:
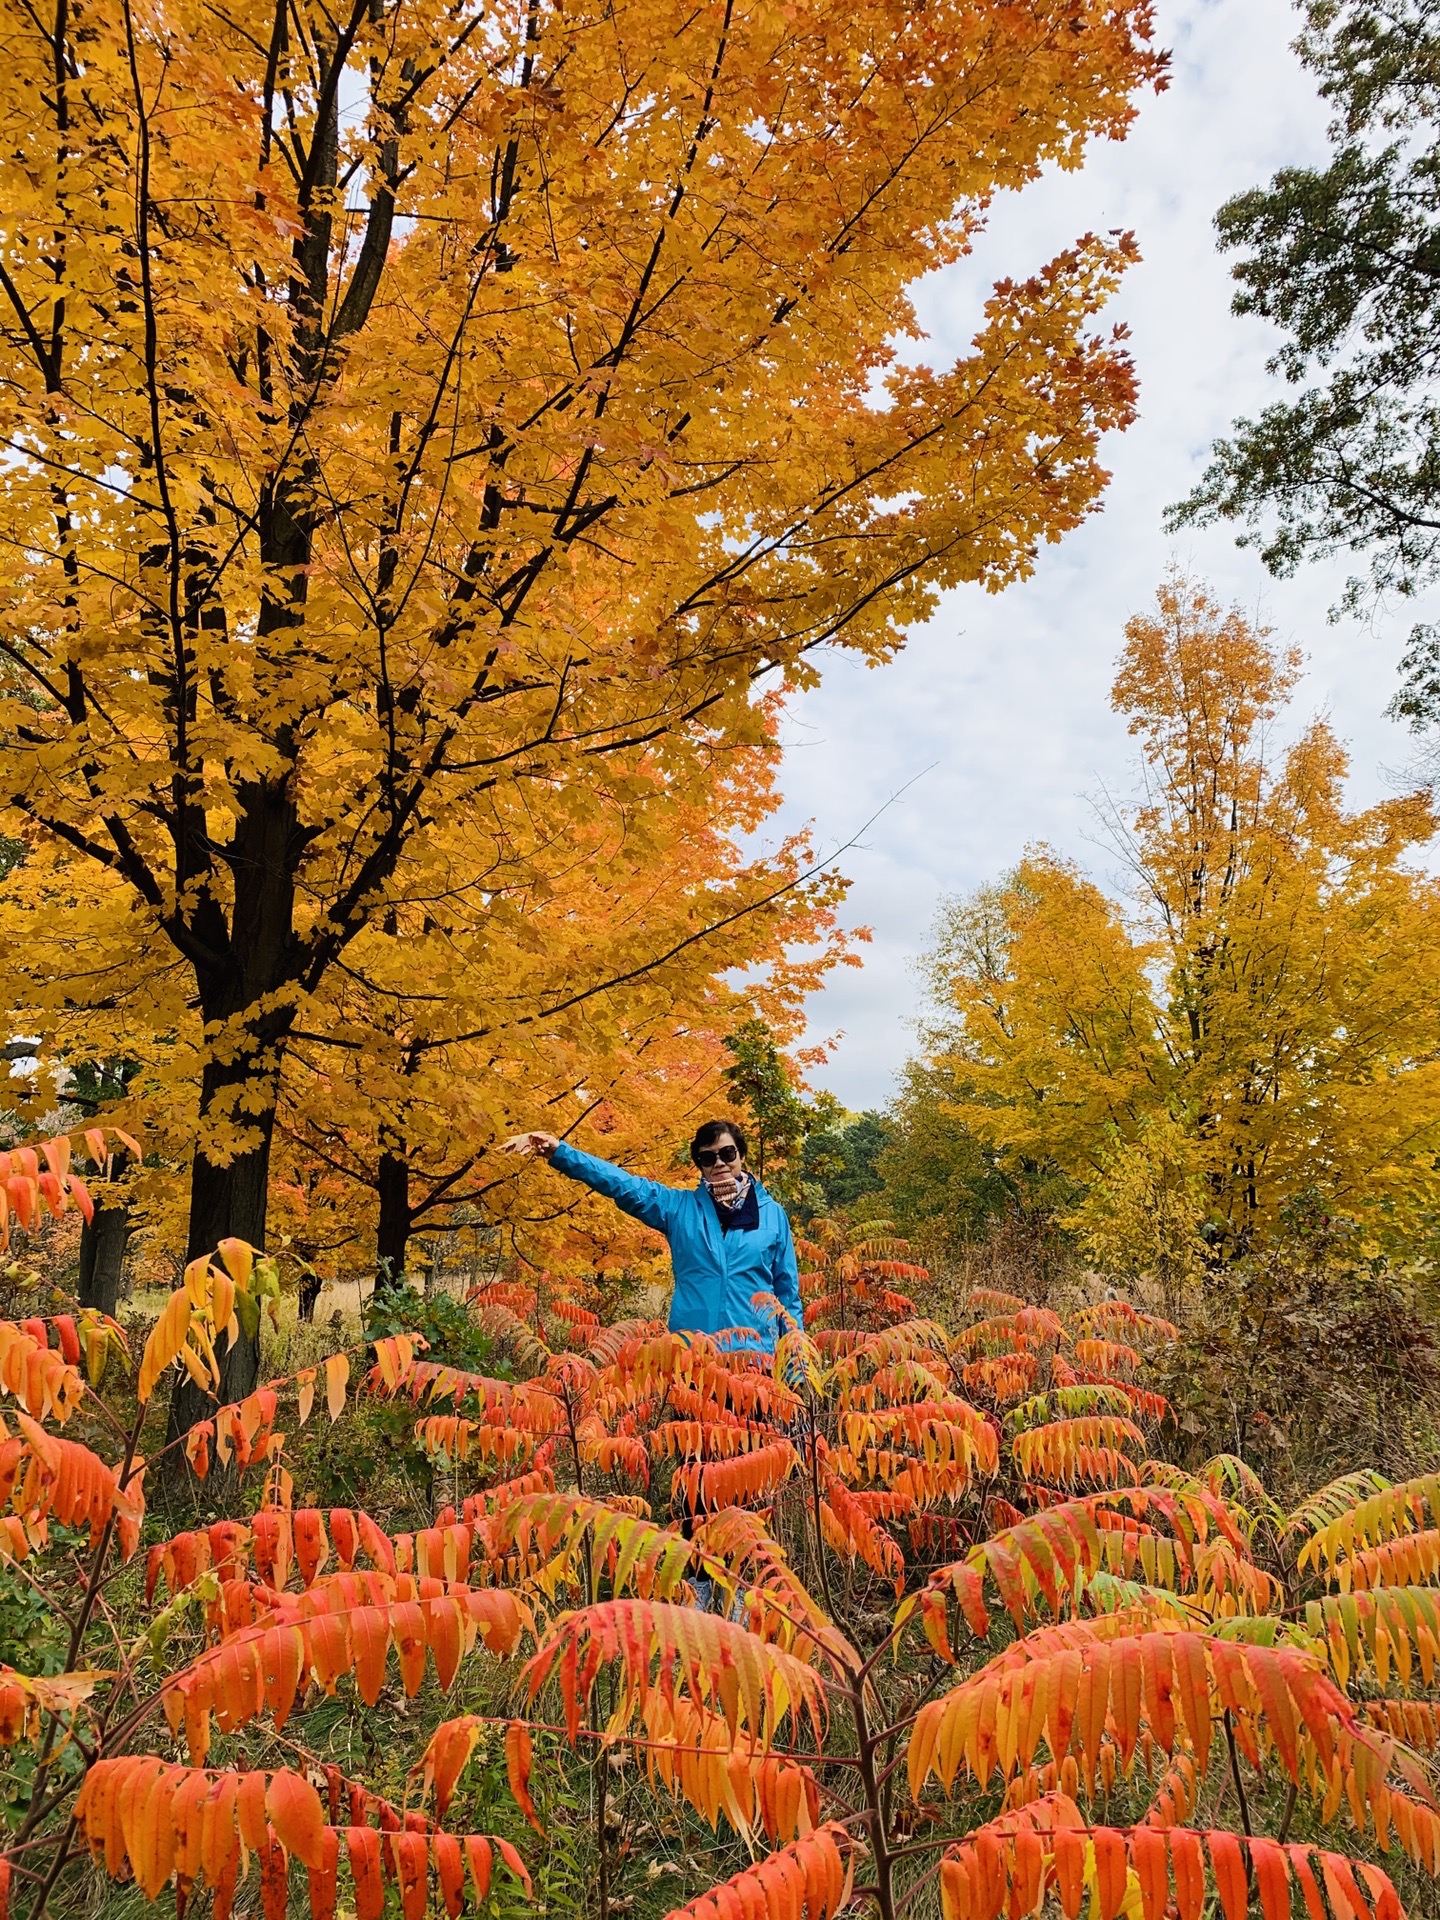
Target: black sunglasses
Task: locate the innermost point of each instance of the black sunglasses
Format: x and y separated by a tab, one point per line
712	1156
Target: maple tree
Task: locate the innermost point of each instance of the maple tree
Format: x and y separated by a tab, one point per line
947	1560
1260	1026
425	425
761	1087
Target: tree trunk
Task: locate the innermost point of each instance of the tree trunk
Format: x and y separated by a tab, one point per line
247	1017
227	1201
102	1256
392	1237
249	961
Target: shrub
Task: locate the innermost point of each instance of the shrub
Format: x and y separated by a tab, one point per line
968	1635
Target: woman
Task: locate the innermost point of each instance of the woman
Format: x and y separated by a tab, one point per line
728	1239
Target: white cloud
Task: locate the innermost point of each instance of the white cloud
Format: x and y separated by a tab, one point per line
1009	695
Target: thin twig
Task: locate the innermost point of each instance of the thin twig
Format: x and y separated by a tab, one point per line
1235	1775
1284	1834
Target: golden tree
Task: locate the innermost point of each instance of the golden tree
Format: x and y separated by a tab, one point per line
424	425
381	466
1268	1023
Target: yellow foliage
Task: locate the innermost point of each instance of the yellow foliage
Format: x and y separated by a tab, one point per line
424	430
1262	1023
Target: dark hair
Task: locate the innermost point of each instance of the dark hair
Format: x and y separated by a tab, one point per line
712	1133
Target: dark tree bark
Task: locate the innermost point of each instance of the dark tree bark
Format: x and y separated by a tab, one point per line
240	1076
256	961
397	1220
252	956
228	1200
103	1242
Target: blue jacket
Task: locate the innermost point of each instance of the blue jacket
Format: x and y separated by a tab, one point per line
715	1272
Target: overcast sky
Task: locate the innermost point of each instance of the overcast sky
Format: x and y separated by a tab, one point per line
1008	695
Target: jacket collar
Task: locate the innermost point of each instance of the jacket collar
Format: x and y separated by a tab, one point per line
741	1216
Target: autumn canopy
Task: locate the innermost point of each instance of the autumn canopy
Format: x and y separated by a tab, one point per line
431	430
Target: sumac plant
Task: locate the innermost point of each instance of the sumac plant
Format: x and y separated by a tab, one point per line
970	1645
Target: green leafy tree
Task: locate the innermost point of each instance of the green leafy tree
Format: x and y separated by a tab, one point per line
942	1184
761	1078
1345	259
815	1155
841	1155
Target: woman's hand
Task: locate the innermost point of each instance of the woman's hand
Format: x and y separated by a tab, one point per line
528	1145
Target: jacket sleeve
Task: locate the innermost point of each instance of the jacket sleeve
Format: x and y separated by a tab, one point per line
646	1200
787	1273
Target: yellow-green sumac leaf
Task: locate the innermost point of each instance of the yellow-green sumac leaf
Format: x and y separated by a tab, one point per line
1391	1629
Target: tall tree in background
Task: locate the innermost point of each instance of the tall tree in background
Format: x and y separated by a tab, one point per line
943	1183
762	1083
1266	1027
424	424
840	1159
1345	259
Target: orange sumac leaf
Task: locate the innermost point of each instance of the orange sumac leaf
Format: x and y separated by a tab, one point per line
706	1485
324	1876
811	1875
622	1547
337	1373
449	1871
728	1775
163	1817
471	1440
852	1534
699	1657
517	1770
1227	1861
23	1700
1008	1864
166	1339
42	1381
46	1476
1067	1684
411	1855
345	1623
297	1817
1272	1877
362	1848
444	1759
1088	1448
